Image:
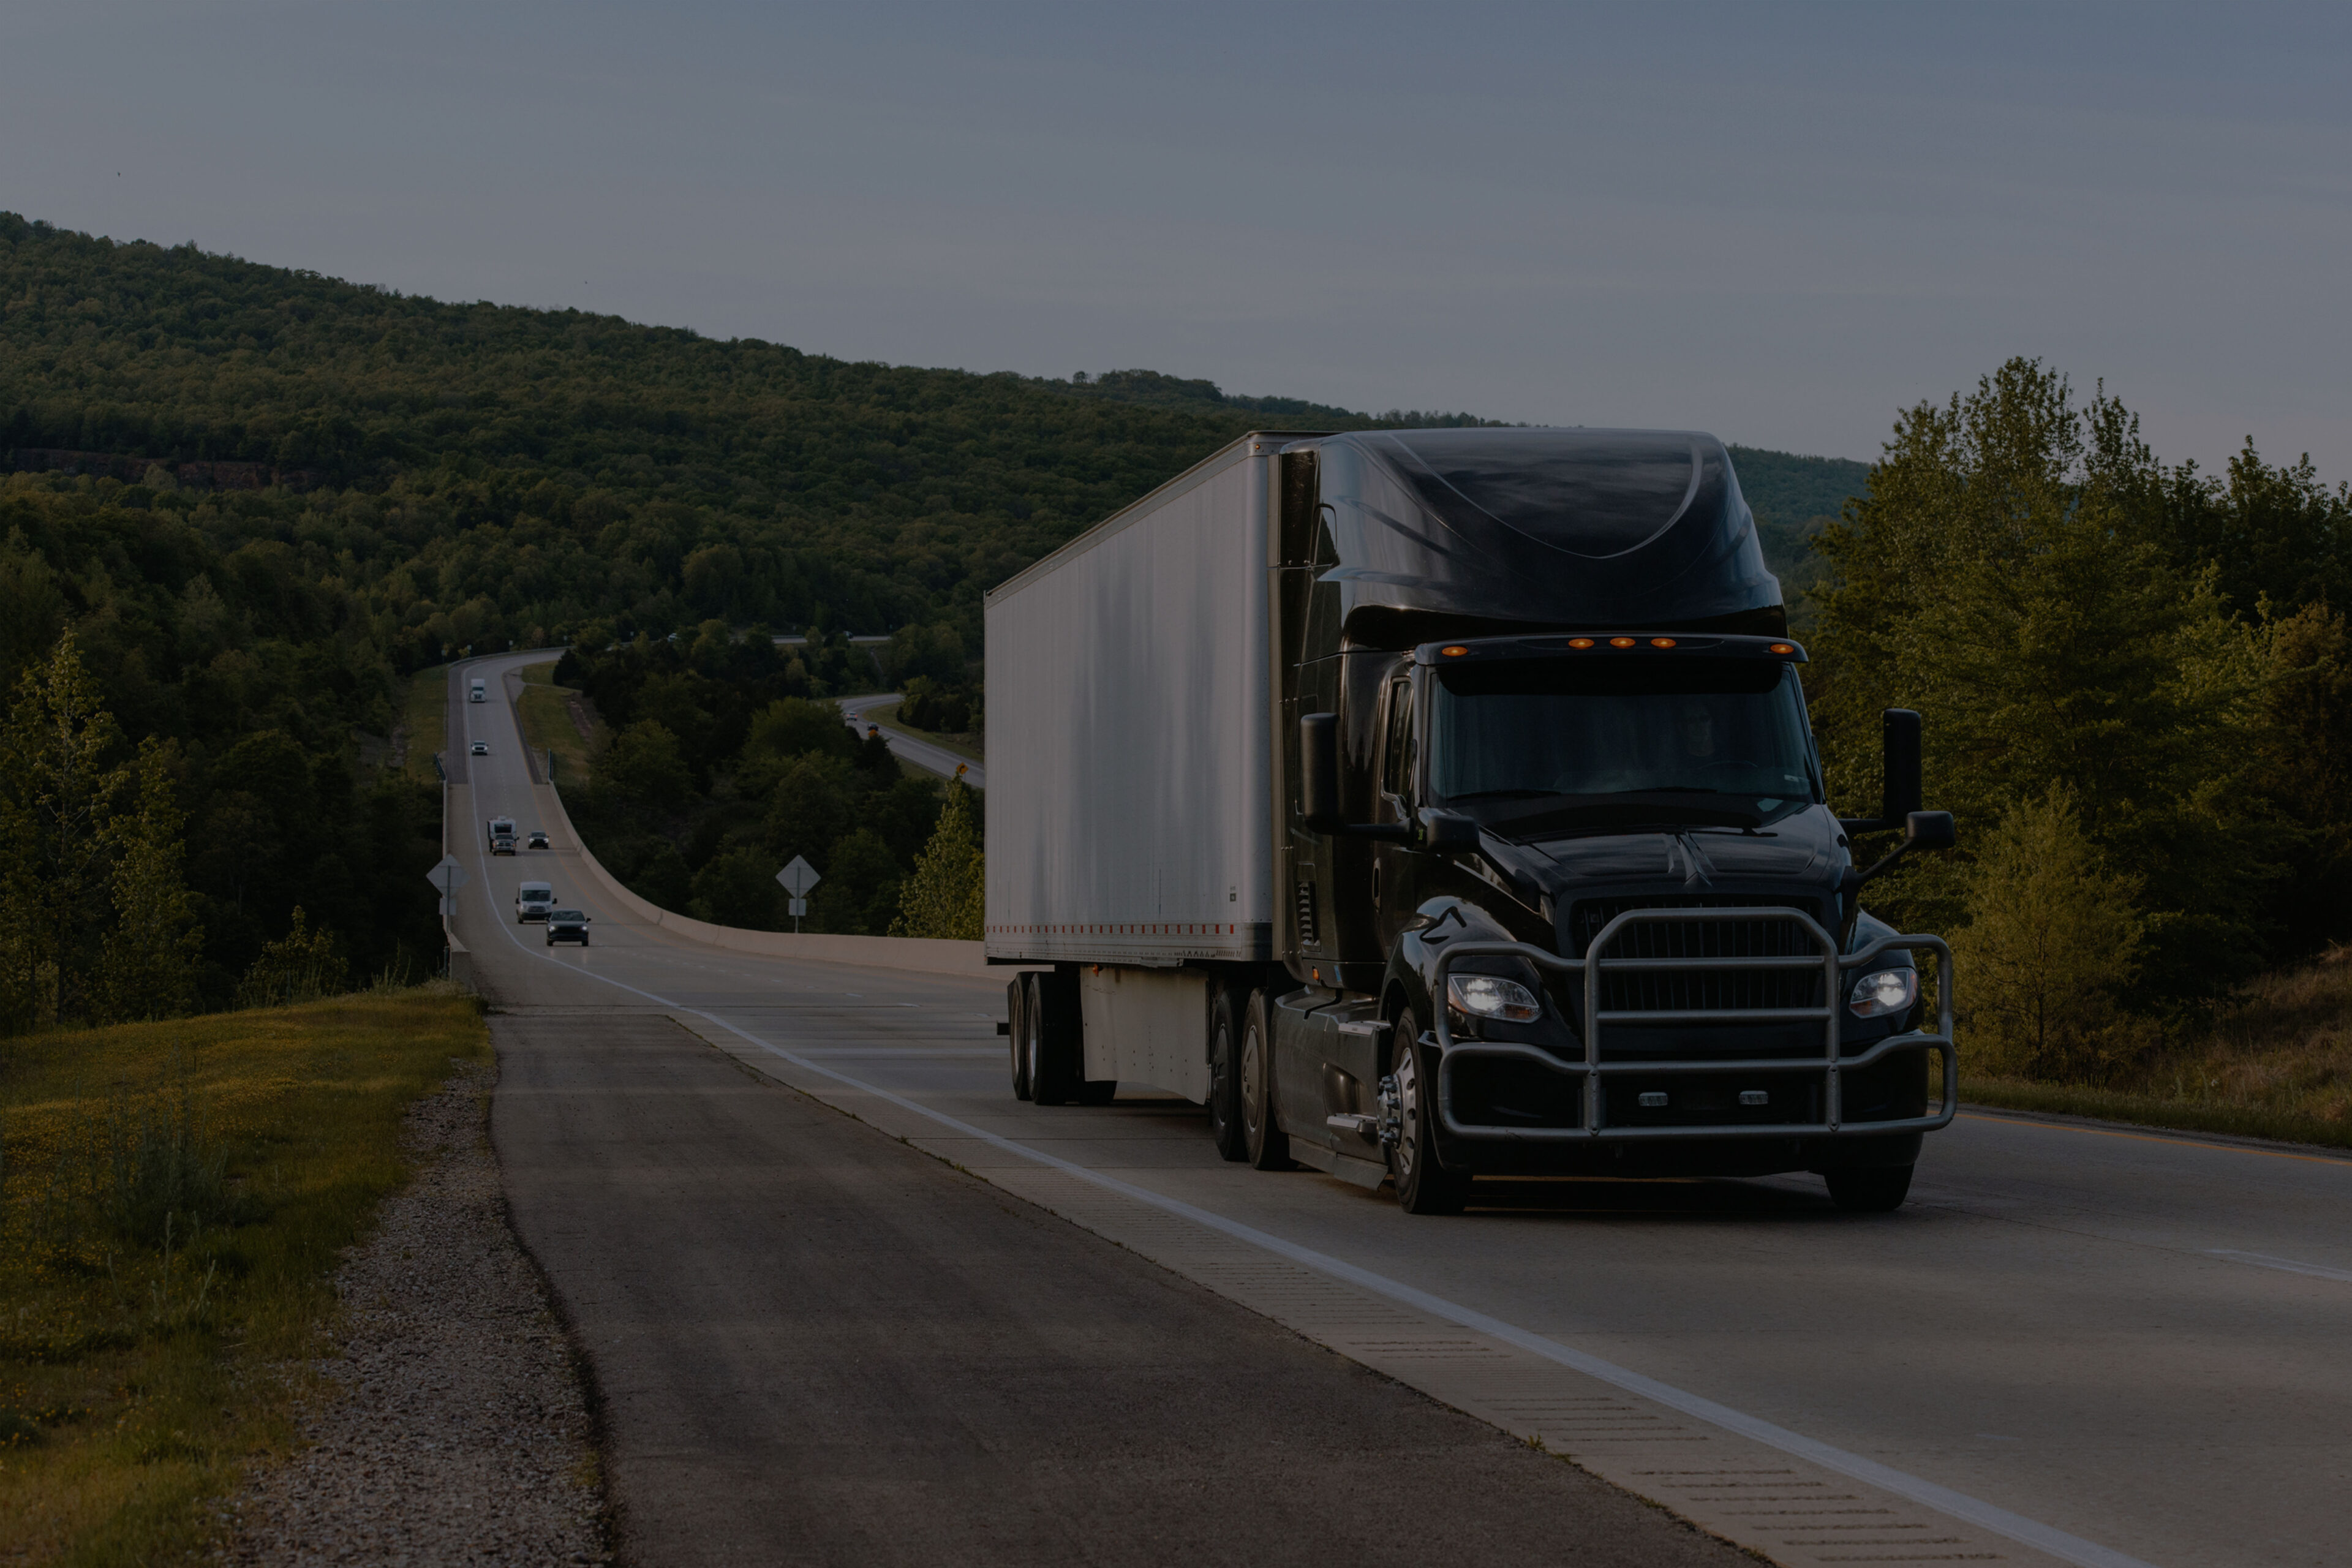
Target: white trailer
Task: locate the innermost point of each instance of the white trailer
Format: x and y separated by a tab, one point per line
1130	792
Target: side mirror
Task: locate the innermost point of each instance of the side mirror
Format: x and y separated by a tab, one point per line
1319	771
1318	783
1447	832
1929	830
1921	830
1899	773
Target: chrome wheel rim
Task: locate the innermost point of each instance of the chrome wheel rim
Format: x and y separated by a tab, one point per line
1408	1082
1253	1087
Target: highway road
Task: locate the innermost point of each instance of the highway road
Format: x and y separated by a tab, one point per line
2075	1343
927	755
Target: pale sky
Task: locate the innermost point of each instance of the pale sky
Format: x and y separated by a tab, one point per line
1779	223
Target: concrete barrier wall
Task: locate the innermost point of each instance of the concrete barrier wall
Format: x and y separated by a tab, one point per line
461	959
925	955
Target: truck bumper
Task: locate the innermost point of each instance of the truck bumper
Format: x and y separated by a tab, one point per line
1640	1114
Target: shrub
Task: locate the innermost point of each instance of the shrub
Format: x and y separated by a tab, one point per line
2052	945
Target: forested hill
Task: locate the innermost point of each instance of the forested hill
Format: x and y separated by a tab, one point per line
492	472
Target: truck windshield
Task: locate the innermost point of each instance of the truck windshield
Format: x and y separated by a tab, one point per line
1624	736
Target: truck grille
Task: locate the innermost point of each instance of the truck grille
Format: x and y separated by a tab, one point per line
1729	938
1308	936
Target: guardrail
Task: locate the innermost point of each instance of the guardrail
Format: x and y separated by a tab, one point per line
1595	1071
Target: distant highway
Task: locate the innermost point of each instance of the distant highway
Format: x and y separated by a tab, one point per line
2101	1346
927	755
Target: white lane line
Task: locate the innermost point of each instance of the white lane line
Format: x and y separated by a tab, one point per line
1944	1499
2284	1264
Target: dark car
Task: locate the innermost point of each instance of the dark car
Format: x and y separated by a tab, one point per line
567	925
538	840
481	748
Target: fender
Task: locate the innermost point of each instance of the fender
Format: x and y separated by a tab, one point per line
1436	924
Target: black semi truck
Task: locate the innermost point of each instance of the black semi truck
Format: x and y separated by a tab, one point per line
1438	803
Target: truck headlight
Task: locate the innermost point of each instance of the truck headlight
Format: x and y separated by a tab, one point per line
1491	997
1888	991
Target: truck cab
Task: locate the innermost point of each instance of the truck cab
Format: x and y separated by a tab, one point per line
478	690
501	834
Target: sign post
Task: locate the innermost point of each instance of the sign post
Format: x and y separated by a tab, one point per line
798	878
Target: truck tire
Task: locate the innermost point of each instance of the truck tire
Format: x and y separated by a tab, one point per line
1055	1054
1869	1189
1224	1076
1016	1033
1423	1186
1264	1142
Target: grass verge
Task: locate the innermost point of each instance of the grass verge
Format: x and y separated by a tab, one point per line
172	1208
547	722
967	745
425	714
2275	1063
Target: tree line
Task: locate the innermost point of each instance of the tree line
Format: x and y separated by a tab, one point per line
2138	694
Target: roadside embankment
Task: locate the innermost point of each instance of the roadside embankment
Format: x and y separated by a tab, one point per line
458	1431
2275	1063
175	1200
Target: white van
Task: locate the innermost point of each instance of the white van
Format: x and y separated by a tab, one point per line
533	902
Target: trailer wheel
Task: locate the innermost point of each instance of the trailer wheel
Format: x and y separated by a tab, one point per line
1264	1142
1054	1054
1224	1078
1016	1033
1423	1186
1869	1189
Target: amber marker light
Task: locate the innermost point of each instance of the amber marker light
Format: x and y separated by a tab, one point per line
1454	652
1621	642
1784	647
1662	642
1579	642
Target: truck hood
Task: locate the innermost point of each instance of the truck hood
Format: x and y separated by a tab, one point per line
1803	857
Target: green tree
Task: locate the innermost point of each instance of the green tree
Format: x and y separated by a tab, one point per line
2304	761
304	964
738	888
2052	951
2009	574
860	887
147	963
809	810
56	792
943	896
645	768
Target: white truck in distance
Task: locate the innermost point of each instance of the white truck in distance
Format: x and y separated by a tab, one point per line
480	691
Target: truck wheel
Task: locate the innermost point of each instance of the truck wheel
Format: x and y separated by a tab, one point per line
1016	1033
1264	1142
1423	1186
1224	1078
1054	1053
1869	1189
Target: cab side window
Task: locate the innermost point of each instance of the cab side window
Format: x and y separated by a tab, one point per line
1396	761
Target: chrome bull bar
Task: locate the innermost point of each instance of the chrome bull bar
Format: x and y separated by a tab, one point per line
1833	967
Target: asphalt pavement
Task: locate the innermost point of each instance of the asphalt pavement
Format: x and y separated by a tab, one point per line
2114	1346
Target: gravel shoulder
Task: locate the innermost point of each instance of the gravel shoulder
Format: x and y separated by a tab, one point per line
458	1430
